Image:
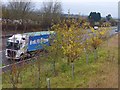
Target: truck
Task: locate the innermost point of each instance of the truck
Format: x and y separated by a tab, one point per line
22	45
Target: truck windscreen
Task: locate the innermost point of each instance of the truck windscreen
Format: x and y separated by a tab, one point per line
14	46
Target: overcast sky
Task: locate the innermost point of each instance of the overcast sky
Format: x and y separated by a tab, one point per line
84	7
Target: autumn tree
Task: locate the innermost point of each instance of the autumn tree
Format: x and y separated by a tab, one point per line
54	51
69	40
87	46
72	38
97	37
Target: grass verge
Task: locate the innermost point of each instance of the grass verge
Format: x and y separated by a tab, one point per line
100	73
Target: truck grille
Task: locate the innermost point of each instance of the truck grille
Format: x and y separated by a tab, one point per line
11	53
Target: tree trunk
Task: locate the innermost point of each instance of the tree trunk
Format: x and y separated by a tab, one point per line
95	54
54	67
87	58
72	70
38	74
68	61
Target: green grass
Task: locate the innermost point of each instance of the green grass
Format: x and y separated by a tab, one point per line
63	78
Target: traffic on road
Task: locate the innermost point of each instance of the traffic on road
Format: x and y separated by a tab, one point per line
6	64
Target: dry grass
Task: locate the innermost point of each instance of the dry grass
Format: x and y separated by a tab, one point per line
107	76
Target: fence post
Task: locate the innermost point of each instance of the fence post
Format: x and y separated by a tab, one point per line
86	55
48	83
54	67
72	70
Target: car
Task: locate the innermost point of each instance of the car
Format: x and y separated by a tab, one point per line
95	27
116	30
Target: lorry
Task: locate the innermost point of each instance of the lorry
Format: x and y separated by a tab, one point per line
21	45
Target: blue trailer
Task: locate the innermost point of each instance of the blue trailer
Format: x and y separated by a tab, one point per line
37	42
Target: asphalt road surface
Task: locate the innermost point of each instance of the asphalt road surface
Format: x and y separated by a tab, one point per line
6	62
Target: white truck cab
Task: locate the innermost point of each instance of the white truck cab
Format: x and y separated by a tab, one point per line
16	46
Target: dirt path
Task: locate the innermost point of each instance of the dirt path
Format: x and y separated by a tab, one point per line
107	75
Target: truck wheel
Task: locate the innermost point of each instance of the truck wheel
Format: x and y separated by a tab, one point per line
29	55
22	57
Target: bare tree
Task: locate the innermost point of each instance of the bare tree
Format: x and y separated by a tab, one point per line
5	13
51	12
20	10
5	16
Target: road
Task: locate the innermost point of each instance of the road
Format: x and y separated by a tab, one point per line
6	63
112	32
4	60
